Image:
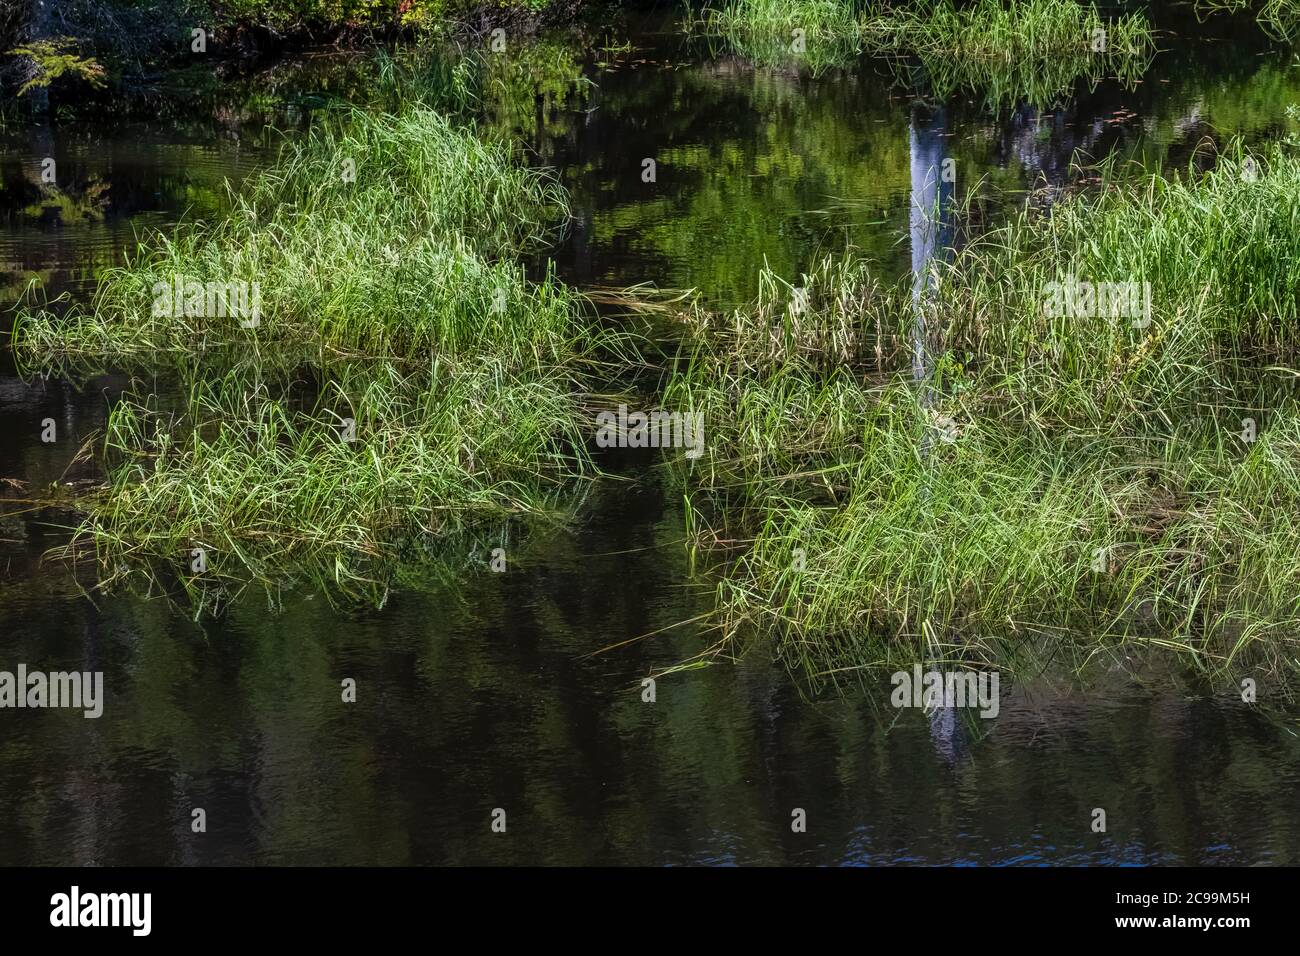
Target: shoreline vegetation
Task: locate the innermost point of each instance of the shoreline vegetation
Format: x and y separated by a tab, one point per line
75	47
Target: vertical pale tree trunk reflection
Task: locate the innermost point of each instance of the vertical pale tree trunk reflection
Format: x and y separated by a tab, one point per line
930	226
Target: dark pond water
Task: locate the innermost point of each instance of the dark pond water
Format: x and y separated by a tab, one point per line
487	692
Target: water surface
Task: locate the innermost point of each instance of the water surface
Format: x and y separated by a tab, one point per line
488	693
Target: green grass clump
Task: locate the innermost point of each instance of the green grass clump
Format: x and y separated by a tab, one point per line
385	248
1004	30
1225	309
1222	336
390	237
1040	472
818	18
996	532
1008	49
866	518
818	34
778	382
264	482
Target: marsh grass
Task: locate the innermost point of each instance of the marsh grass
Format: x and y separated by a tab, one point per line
1049	472
1000	84
1221	336
1225	312
264	482
1004	49
1004	30
815	318
1007	51
764	31
393	304
821	18
780	382
865	524
998	529
412	255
